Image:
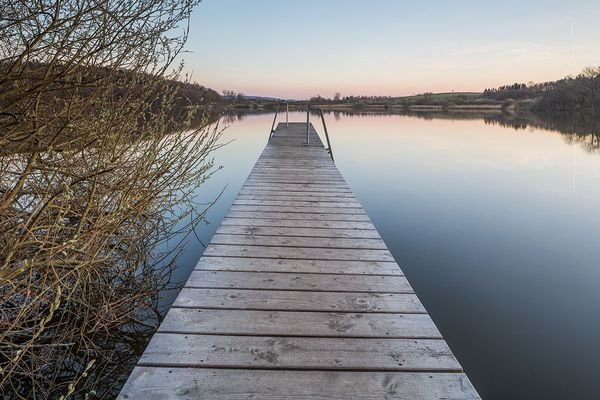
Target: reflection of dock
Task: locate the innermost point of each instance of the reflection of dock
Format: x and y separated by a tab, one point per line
297	297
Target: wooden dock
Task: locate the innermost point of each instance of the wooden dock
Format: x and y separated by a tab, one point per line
297	297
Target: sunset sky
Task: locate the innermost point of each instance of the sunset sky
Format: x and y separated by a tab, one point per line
298	49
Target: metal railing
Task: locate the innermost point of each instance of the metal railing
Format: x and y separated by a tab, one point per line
320	111
308	110
287	110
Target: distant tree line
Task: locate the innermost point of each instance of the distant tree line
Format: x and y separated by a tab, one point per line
424	99
232	95
579	93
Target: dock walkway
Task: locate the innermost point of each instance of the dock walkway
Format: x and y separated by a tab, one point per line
297	297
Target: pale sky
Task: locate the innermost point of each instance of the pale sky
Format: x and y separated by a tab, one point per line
298	49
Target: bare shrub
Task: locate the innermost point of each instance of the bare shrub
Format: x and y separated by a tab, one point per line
97	168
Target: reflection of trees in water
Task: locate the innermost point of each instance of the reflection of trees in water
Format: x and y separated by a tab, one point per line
232	116
577	128
426	115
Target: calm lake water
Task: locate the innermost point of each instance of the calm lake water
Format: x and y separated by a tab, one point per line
497	229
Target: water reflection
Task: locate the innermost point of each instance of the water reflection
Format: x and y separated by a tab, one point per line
578	128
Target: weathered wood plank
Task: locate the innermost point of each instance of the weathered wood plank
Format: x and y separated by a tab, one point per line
257	230
298	179
290	281
230	384
298	266
297	187
316	210
287	169
286	218
299	353
299	241
288	300
290	164
298	253
318	170
312	178
294	155
299	323
278	194
298	172
294	151
312	186
298	203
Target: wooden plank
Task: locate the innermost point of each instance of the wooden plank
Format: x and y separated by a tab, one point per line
299	323
320	169
324	182
290	153
276	194
257	230
315	197
267	165
298	266
315	210
267	157
298	203
297	170
299	241
295	181
293	155
304	253
303	151
226	384
210	351
290	281
288	300
296	178
277	191
319	219
298	175
297	187
290	164
288	169
312	186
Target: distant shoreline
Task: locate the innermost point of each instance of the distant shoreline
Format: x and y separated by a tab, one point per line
347	107
416	107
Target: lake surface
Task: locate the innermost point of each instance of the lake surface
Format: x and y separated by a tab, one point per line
496	227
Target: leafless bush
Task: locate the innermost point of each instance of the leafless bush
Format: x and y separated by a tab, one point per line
97	168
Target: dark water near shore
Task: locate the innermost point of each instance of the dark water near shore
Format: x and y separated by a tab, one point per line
495	222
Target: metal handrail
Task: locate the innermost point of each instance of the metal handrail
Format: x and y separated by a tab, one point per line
326	134
308	124
274	119
287	110
308	110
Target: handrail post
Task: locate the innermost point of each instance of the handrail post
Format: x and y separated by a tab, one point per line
274	119
326	135
308	124
287	110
